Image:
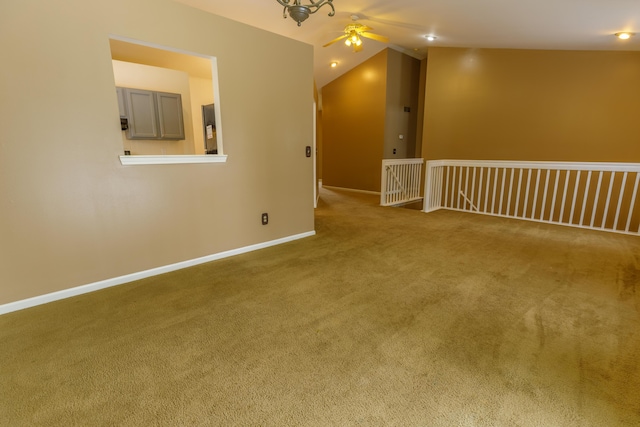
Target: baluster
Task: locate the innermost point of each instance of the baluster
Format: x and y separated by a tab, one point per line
620	197
564	196
584	200
632	204
606	205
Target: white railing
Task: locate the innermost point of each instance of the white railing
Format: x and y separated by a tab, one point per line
602	196
401	181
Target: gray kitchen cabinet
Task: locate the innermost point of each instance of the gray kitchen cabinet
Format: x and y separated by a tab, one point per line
142	114
170	120
153	115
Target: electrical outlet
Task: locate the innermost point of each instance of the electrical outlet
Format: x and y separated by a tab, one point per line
265	218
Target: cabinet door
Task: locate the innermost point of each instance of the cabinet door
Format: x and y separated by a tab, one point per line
142	114
170	115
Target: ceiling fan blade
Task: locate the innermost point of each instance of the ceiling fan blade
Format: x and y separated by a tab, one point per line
376	37
344	36
357	48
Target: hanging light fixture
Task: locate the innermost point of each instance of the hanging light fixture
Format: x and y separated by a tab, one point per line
300	12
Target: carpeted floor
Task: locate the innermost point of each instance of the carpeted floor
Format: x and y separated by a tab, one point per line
387	317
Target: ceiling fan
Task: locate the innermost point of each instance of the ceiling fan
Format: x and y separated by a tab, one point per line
352	34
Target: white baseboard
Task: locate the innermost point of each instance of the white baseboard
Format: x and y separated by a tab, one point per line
83	289
353	190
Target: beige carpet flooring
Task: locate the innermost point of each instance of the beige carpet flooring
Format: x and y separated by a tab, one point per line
387	317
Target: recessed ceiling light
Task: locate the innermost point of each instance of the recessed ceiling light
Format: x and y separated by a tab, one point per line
624	35
334	64
430	37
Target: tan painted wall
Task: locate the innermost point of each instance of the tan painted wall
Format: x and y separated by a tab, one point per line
532	105
422	84
364	116
403	75
353	118
71	214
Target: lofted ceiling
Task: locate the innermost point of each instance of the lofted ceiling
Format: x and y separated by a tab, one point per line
523	24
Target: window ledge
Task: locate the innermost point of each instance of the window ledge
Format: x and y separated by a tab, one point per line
172	160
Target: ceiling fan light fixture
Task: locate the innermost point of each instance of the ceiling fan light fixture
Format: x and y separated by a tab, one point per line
353	36
300	12
624	35
353	39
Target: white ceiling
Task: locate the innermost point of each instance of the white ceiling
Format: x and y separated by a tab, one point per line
522	24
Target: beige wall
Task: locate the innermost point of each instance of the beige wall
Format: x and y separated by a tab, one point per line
353	118
532	105
71	214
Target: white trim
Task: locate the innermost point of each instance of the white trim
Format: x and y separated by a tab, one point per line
172	160
83	289
584	166
353	190
217	111
314	157
411	161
